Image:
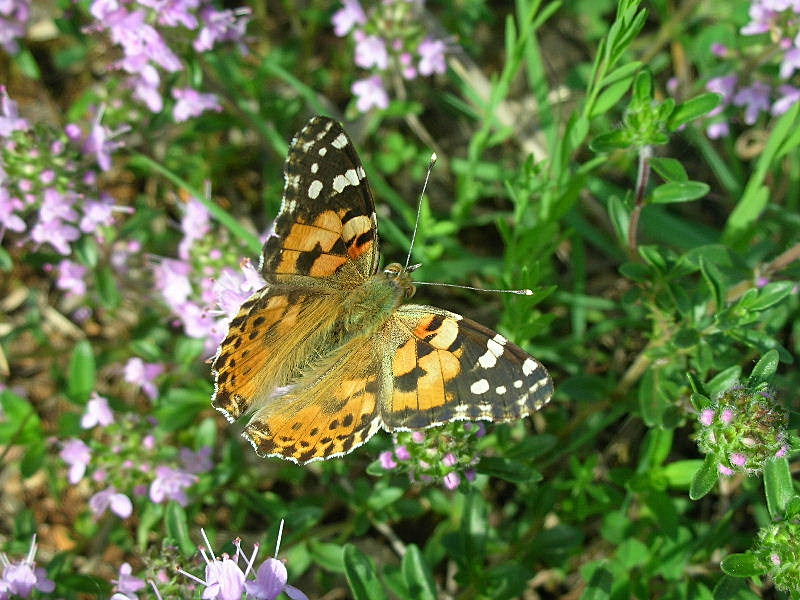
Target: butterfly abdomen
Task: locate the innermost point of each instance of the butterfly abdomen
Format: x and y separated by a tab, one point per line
370	305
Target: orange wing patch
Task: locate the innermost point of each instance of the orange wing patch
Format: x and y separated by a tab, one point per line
323	417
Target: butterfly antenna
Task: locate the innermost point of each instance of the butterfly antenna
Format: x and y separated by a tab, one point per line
431	162
523	292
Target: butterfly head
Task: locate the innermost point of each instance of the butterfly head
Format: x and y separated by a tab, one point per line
400	277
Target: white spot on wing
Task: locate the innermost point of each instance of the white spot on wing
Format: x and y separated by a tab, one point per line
529	366
500	339
518	383
315	167
500	390
487	360
479	387
314	189
323	151
340	141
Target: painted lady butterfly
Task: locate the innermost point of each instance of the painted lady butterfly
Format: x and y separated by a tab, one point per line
326	354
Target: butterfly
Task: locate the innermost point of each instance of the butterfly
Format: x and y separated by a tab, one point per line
327	353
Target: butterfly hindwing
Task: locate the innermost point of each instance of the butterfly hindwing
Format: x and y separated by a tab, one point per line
449	368
327	215
331	410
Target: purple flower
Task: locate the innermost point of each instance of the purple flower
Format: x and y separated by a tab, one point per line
145	88
370	92
172	280
98	412
707	417
402	453
224	579
8	217
197	462
99	213
418	437
347	17
727	416
190	103
170	484
387	460
22	577
725	86
140	42
431	54
221	26
371	51
56	233
719	50
270	581
718	130
233	288
789	97
77	455
99	143
452	481
754	98
449	460
196	223
144	375
10	120
725	470
127	585
119	503
14	16
738	459
172	13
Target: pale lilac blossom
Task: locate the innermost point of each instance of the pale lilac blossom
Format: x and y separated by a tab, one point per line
347	17
191	103
221	26
755	98
270	582
22	577
196	224
77	455
371	52
707	417
370	93
432	59
127	585
725	470
387	460
143	374
98	412
14	17
197	462
452	480
171	484
790	95
9	219
111	499
10	121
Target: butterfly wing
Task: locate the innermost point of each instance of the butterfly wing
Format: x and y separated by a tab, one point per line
446	368
323	244
327	217
327	412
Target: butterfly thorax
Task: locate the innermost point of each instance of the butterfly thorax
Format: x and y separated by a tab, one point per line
370	305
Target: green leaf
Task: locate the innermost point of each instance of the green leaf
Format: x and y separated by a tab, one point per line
679	474
765	368
770	295
383	497
620	217
742	565
652	403
507	469
679	191
599	585
361	575
670	169
81	379
108	287
418	577
327	555
705	478
178	528
611	140
715	282
692	109
778	487
723	380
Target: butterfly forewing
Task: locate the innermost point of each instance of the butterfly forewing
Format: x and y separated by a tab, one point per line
327	215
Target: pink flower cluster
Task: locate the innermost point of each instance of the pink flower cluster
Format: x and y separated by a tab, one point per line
225	579
199	287
138	28
409	51
133	464
19	579
780	19
48	182
14	17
